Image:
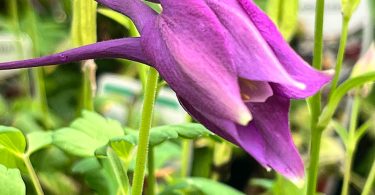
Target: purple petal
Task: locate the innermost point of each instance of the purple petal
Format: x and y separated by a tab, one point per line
253	57
255	91
292	62
190	52
267	138
140	13
128	48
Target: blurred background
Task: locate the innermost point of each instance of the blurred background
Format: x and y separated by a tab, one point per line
40	27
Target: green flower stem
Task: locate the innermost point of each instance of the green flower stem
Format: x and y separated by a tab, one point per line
351	144
40	91
186	153
151	180
185	157
33	176
315	103
316	138
144	131
341	53
370	181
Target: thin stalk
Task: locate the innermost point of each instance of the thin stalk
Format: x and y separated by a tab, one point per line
315	102
33	176
351	144
187	151
340	54
119	171
185	157
144	131
370	181
151	179
40	91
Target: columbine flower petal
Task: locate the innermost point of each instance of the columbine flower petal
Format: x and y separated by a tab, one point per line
250	50
195	60
292	62
267	138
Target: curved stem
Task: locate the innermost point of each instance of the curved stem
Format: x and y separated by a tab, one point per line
33	176
315	102
351	144
370	181
341	53
144	131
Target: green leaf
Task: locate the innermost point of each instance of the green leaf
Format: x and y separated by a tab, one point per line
362	130
124	149
37	141
341	131
188	131
86	134
12	139
86	165
161	134
9	160
11	182
200	186
339	93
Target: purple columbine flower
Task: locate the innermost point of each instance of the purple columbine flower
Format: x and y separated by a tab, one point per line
228	64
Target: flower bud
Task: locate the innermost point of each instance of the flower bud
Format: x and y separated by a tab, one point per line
348	7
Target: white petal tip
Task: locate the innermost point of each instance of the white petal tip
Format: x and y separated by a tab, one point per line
245	118
300	86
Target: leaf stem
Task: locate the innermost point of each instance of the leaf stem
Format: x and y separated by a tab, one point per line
341	53
33	176
315	102
144	131
351	144
151	180
185	157
370	181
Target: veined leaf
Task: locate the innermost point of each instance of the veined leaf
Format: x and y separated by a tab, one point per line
12	140
161	134
86	134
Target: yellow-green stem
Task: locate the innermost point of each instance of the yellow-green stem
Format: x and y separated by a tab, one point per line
340	54
351	144
33	176
370	181
151	180
315	102
144	131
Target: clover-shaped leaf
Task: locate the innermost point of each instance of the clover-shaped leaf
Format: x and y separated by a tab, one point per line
86	134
